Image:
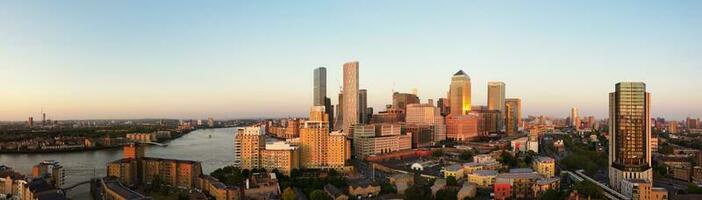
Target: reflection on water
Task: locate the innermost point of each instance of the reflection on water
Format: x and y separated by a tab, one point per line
214	152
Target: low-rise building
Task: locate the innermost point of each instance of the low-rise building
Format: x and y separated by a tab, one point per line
281	156
214	188
545	166
483	178
642	190
454	170
363	188
262	186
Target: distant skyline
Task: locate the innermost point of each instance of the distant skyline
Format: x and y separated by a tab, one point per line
179	59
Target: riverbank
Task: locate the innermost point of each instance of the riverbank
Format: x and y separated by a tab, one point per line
176	135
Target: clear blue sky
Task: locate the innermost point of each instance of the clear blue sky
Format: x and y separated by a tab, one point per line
190	59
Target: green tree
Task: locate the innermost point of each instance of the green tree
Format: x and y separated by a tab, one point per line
289	194
508	159
447	194
437	153
451	181
387	188
693	189
466	156
319	195
418	192
588	189
551	195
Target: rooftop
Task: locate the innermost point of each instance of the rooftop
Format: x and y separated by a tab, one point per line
124	192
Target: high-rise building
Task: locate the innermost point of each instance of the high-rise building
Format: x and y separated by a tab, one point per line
488	118
319	148
460	93
511	126
248	144
515	112
496	100
463	127
30	122
282	156
351	110
427	115
629	134
363	106
320	87
574	119
339	119
401	100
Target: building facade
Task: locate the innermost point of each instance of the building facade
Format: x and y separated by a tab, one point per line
351	111
629	134
460	94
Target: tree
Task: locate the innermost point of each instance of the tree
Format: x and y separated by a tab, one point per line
451	181
588	189
466	156
289	194
508	159
693	189
418	192
319	195
387	188
551	195
447	194
437	153
183	196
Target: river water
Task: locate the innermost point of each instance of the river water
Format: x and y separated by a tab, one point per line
214	152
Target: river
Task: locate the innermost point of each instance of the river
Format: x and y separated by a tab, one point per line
214	152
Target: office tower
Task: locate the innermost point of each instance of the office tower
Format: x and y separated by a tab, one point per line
459	94
427	115
43	118
496	100
374	139
30	122
463	127
351	111
629	134
339	123
363	106
574	119
401	100
330	112
516	104
511	119
320	87
488	118
248	143
443	105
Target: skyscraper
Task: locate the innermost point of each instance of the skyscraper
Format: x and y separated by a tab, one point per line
320	87
459	94
517	109
511	119
401	100
363	106
629	134
574	119
350	111
496	100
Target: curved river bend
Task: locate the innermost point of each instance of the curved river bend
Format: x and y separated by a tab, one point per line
214	152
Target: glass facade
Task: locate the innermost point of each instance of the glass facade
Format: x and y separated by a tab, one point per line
630	123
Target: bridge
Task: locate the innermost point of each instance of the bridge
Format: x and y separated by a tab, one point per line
77	184
155	143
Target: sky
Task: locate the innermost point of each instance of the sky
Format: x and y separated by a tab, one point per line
242	59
